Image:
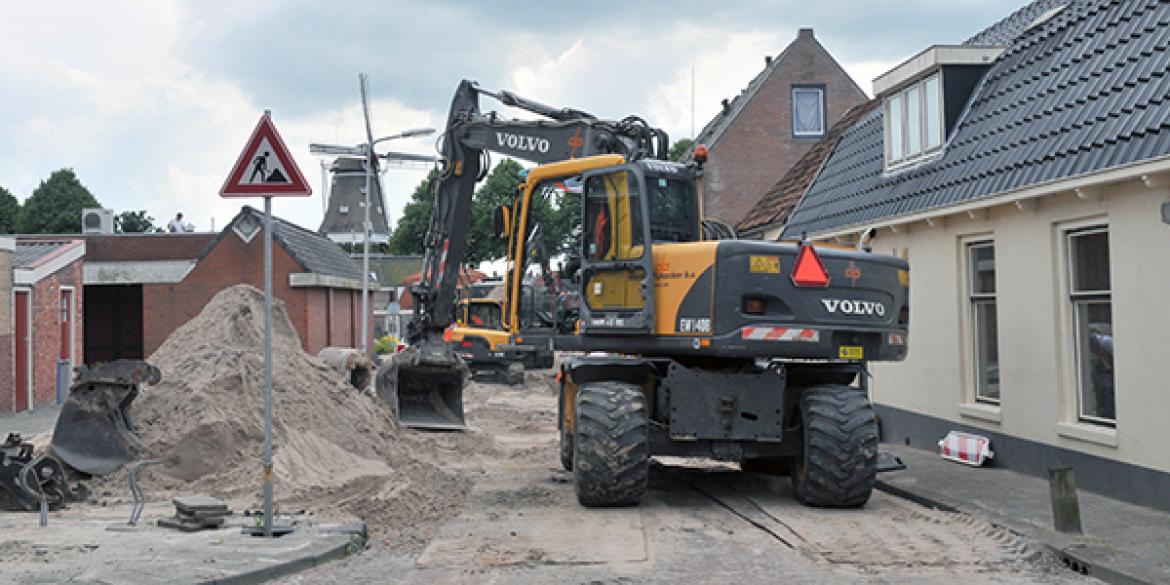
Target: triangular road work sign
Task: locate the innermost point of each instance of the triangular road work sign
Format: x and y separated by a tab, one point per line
265	167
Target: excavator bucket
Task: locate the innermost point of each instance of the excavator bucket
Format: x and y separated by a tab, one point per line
94	433
424	386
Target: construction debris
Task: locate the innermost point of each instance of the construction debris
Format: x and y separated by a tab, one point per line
193	513
93	433
335	449
28	480
354	367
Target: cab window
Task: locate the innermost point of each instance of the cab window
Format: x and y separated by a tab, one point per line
672	210
613	218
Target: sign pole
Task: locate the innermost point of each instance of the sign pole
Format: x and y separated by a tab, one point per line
268	366
266	168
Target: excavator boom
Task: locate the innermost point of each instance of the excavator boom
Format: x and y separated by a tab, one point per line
425	381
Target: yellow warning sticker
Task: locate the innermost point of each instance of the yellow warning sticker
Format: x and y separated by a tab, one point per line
851	352
769	264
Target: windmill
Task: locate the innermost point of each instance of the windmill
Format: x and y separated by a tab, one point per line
357	187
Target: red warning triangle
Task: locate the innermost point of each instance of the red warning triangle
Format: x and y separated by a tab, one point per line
265	167
808	270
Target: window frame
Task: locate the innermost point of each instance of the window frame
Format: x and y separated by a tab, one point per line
1073	300
905	157
974	300
820	90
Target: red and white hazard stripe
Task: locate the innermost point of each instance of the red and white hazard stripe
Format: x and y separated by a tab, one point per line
780	334
443	259
965	448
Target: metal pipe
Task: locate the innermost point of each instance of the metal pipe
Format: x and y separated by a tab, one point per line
268	366
366	258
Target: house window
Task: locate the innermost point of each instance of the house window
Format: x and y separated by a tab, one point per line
1092	315
914	122
984	320
808	111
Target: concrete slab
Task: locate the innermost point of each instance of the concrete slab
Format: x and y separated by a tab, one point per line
94	545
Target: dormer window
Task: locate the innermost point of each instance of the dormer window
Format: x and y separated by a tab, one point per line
914	121
917	116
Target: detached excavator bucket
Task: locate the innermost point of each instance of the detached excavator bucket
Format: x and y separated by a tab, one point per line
94	434
425	388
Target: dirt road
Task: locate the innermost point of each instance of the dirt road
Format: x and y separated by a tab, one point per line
699	523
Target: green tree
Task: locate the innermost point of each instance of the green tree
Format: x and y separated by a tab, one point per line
9	209
679	148
129	222
498	189
411	231
55	205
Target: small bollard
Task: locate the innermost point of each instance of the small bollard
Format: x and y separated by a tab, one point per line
1066	512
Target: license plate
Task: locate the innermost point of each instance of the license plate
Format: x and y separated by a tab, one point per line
765	264
851	352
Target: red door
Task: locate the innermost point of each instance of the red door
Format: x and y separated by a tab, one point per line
22	350
66	325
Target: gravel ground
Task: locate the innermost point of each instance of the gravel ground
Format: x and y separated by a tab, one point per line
699	523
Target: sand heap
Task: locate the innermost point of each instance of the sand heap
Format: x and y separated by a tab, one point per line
335	447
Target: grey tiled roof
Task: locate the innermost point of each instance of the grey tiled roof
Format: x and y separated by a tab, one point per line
1085	91
312	251
28	252
1006	30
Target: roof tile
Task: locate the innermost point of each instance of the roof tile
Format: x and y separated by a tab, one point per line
1083	92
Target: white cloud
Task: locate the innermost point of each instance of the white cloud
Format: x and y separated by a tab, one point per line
150	104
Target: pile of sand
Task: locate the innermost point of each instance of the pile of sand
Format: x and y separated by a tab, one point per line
335	448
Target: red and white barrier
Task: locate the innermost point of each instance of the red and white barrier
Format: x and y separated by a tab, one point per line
965	448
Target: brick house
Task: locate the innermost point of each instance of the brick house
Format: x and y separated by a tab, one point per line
1025	174
762	132
768	216
147	285
46	281
7	349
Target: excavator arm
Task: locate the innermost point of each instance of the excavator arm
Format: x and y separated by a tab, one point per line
426	380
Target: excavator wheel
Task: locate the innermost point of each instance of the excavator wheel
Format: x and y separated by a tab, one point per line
611	444
839	462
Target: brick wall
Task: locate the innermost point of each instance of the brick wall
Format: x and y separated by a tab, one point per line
758	148
166	307
46	329
7	350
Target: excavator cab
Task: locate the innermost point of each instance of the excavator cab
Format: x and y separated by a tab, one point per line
628	210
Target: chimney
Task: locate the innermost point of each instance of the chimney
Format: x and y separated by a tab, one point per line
805	33
767	60
726	106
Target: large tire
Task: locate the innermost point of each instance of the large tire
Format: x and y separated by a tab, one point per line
566	442
611	440
839	462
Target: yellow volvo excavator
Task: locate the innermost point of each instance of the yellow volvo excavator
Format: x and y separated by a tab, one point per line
690	345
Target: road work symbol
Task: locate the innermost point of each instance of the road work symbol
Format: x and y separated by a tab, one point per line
260	171
265	167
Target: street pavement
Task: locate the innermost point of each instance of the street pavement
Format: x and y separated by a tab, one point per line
700	522
1122	543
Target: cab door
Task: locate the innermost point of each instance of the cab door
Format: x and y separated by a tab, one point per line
616	259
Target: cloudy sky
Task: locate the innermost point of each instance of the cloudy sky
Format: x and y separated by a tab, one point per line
150	101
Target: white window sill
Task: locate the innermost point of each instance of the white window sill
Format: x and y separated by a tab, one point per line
978	410
1088	433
